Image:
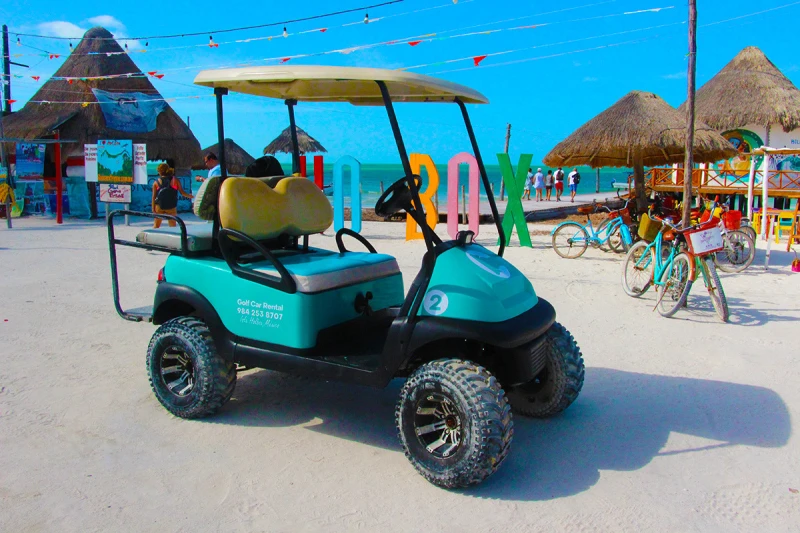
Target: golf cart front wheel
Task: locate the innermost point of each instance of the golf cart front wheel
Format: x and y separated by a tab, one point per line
187	375
454	423
558	384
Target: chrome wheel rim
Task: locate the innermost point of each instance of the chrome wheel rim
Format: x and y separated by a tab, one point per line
177	371
438	425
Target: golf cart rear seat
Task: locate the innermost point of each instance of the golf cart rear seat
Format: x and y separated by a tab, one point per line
198	237
296	207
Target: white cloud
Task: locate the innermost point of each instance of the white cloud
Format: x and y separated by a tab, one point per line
589	79
676	76
60	28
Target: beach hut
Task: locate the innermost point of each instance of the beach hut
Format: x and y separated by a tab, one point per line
99	93
236	158
639	130
750	93
283	143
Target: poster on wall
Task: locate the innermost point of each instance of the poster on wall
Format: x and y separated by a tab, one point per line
30	161
115	193
90	162
115	161
140	164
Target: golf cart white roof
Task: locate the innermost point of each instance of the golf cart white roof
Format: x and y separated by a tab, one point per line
337	84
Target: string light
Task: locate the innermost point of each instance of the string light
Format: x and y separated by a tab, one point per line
70	45
285	34
366	18
19	43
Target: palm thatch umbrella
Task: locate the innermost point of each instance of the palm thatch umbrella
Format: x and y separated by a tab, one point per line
639	130
749	90
236	158
98	55
283	143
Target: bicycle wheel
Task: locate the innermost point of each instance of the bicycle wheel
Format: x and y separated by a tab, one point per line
675	285
570	240
738	253
637	269
602	235
715	291
749	231
615	240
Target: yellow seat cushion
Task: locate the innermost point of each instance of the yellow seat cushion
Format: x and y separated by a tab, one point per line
294	207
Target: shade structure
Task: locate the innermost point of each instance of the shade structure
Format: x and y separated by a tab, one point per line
283	143
236	158
71	105
639	130
748	90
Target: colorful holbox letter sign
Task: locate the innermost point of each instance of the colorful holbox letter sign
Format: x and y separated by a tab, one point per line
452	193
515	215
355	193
431	215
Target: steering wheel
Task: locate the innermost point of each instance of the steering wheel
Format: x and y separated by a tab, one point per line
395	199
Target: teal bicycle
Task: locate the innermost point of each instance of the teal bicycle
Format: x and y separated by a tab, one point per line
671	262
571	239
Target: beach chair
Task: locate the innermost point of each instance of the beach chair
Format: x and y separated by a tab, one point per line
794	232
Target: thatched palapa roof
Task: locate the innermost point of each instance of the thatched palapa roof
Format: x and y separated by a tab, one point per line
283	143
236	158
749	90
171	139
639	127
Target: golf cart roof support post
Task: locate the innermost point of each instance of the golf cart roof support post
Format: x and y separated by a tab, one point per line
293	130
219	92
484	177
401	148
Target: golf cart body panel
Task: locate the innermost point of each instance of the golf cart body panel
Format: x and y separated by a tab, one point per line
472	283
306	83
254	311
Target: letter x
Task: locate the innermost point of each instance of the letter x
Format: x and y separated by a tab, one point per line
515	215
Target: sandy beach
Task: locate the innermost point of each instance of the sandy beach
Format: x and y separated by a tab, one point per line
684	424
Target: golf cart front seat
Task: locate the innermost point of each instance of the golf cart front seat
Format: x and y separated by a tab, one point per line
296	207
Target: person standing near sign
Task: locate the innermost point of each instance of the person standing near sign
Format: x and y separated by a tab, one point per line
574	180
212	164
165	194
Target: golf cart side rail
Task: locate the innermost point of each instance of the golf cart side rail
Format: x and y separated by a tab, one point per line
145	313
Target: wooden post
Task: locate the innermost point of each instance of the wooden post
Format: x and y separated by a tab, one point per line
597	181
381	187
688	162
508	139
59	181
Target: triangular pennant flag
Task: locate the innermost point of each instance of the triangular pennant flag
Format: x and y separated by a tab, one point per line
70	81
213	45
54	56
85	104
152	72
159	76
285	59
477	60
36	78
414	43
10	101
323	30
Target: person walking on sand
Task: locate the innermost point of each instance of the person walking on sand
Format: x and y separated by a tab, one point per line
574	180
165	194
538	184
526	191
548	183
559	177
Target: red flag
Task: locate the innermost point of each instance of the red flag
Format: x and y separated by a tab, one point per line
477	60
159	76
36	78
152	73
285	59
323	30
70	81
414	43
54	56
10	101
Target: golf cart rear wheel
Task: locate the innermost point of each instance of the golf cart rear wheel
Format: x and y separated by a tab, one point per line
454	423
559	382
187	375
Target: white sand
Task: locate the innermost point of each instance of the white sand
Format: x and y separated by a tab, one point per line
684	424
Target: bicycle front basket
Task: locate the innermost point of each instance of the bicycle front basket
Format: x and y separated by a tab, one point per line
649	228
705	239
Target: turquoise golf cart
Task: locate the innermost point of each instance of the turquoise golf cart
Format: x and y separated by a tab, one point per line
470	336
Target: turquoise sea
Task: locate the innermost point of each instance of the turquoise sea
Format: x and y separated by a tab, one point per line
372	175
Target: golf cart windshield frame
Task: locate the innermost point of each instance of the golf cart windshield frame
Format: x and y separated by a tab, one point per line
417	213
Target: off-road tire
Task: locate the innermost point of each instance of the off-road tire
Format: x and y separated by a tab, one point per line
214	378
558	384
485	421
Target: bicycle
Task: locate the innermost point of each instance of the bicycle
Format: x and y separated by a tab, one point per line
571	239
673	269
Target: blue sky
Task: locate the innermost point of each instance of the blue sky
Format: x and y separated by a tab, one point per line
581	58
